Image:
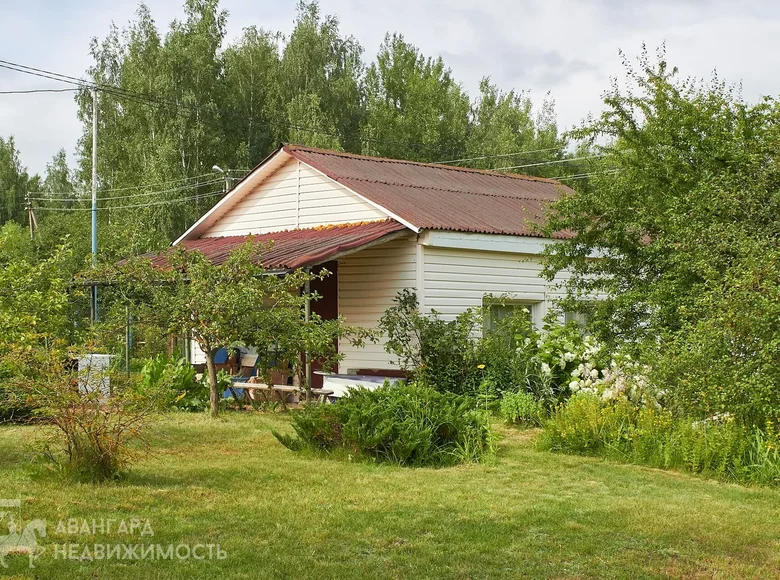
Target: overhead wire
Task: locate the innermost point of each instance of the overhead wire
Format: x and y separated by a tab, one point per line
144	186
590	174
152	99
548	162
498	155
31	91
137	205
148	193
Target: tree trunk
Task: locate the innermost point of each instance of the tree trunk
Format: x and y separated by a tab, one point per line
213	392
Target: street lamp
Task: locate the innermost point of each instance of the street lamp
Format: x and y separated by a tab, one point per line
218	169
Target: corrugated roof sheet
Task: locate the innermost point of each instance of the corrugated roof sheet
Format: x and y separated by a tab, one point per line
439	196
295	248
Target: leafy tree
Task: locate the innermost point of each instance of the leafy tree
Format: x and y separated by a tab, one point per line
162	124
15	183
683	219
322	69
15	244
309	125
58	179
233	303
503	124
415	109
251	101
36	317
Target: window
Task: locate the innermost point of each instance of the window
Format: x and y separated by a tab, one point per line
579	317
496	311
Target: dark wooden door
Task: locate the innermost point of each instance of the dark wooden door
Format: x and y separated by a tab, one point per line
327	306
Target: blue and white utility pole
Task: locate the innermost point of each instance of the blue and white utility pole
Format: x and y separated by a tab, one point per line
94	198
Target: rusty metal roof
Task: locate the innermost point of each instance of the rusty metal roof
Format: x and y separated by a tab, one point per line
440	197
296	248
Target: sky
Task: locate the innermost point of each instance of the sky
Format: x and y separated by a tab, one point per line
565	47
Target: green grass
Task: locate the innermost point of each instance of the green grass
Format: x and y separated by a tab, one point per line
280	514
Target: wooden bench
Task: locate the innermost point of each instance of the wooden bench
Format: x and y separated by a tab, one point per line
279	391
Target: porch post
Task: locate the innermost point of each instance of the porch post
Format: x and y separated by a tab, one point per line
307	318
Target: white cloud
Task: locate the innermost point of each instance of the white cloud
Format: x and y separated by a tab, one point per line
567	47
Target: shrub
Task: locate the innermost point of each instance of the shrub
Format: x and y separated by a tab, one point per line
521	408
177	379
619	429
436	353
95	435
408	425
12	408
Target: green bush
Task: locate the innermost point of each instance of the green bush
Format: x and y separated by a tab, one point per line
177	378
521	408
85	433
13	408
718	446
407	425
437	353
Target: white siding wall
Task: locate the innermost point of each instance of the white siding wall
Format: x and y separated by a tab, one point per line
368	282
287	200
197	356
457	279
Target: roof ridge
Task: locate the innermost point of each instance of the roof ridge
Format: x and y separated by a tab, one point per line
292	147
466	191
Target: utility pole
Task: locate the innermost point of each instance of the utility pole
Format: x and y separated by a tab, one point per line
94	198
31	216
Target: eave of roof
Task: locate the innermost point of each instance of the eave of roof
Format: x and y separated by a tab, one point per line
292	249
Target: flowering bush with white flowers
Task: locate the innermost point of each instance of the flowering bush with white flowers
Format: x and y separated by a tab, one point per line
512	357
580	364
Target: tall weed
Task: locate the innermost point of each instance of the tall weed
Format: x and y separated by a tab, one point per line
718	447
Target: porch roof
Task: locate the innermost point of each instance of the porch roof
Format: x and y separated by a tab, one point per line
296	248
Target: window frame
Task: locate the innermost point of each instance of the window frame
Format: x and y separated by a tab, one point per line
488	302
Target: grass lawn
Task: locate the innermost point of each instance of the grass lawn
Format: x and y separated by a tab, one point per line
278	514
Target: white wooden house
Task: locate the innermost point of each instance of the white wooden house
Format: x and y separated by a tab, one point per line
381	225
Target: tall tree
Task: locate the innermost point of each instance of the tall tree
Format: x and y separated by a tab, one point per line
160	126
683	219
504	132
15	183
319	66
58	180
223	305
415	109
252	117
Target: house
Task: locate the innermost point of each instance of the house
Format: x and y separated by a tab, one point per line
381	225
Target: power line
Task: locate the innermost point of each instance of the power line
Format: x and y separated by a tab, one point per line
137	205
548	162
37	74
160	184
168	201
152	99
159	192
499	155
32	70
147	98
82	83
144	186
592	173
30	91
